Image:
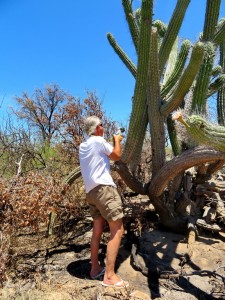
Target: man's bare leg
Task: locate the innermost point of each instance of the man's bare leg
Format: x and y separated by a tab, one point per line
116	233
98	227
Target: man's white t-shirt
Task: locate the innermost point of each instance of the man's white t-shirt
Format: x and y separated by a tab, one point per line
94	162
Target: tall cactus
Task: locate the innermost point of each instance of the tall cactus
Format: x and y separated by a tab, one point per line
168	77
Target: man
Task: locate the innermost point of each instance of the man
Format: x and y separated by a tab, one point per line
103	198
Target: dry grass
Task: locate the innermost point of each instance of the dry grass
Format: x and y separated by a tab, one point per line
68	290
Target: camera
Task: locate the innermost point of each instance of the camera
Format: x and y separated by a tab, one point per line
120	131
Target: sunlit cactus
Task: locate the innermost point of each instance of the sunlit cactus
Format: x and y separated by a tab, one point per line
181	69
203	132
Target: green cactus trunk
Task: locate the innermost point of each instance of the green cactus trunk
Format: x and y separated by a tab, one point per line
156	119
138	119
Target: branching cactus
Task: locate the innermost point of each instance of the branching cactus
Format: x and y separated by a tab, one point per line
170	76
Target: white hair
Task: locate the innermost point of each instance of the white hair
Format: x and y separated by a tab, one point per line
90	124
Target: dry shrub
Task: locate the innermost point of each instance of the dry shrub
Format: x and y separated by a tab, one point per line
26	203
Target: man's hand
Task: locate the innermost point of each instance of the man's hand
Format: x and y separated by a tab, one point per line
116	153
117	137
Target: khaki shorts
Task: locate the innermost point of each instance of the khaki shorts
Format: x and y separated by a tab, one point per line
105	201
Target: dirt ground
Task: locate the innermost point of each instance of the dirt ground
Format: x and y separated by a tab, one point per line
67	271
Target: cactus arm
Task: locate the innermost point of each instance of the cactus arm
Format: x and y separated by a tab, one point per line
178	68
170	78
73	175
185	81
122	55
161	27
217	70
205	133
138	17
131	20
171	61
216	85
220	34
211	19
172	32
220	107
184	161
138	124
176	147
221	92
156	119
202	81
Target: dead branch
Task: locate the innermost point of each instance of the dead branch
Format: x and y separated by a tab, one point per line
19	163
191	240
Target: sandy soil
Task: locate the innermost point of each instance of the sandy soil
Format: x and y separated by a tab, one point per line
67	275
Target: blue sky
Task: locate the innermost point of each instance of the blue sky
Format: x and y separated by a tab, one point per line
64	42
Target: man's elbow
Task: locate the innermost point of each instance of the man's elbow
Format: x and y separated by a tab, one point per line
115	156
